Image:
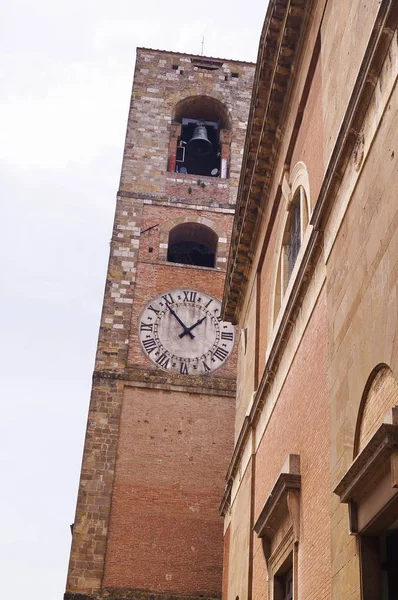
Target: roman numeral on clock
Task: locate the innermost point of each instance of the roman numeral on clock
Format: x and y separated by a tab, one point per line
190	296
206	367
150	307
227	336
163	361
184	368
220	353
149	345
146	326
168	298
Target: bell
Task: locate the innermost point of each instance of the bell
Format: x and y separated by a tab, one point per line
199	144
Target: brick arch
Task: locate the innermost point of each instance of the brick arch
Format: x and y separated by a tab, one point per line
164	231
206	107
379	396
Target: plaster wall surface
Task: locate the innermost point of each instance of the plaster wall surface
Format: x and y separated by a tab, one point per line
345	32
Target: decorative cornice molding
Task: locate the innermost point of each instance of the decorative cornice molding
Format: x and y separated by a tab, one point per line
256	173
165	200
226	500
278	504
369	463
279	38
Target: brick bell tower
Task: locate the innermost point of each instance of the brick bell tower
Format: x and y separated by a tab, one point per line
160	423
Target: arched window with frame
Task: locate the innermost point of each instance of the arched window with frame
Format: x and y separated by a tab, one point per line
200	137
295	226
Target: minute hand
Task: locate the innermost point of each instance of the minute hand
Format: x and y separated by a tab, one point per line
189	329
186	330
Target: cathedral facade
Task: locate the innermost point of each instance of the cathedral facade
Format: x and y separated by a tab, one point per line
311	502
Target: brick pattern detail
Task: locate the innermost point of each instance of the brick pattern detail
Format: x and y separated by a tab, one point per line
168	482
382	395
302	407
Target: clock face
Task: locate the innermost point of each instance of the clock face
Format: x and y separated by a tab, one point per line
181	331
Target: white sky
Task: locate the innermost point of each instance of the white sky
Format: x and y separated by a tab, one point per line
66	75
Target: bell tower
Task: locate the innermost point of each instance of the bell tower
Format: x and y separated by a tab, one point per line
160	423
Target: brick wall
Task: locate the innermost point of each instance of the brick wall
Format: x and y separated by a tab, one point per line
302	408
165	532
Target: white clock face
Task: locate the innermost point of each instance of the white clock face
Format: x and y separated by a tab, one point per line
181	332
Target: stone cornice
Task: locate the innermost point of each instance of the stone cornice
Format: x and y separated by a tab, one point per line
217	386
369	463
278	42
199	56
276	505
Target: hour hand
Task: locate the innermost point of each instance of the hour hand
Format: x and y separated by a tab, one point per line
186	330
189	329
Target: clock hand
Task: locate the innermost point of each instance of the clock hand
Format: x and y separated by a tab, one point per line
189	329
186	330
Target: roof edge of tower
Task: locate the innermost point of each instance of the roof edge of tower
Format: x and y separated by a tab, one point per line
199	56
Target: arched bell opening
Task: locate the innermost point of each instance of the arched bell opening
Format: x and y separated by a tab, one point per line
192	244
200	138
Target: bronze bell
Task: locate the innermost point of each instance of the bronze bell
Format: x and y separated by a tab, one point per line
199	144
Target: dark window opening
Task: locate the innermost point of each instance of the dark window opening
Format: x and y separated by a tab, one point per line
206	64
283	581
294	239
234	75
379	566
150	249
198	148
192	244
175	67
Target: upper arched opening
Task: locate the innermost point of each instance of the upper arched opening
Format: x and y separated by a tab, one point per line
380	395
200	137
204	108
192	244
